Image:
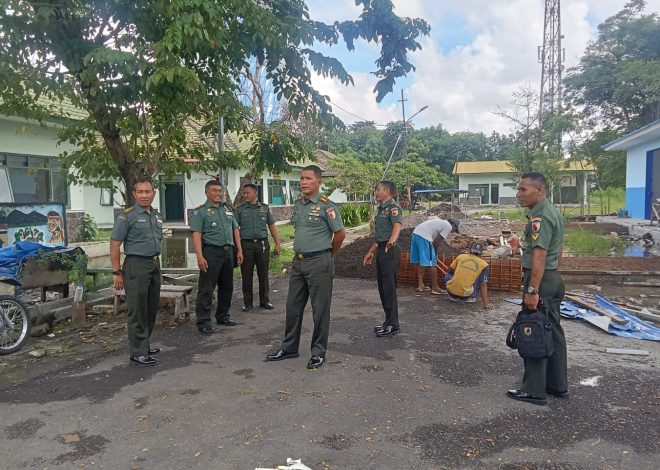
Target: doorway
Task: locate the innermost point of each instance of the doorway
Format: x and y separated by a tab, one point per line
172	199
494	193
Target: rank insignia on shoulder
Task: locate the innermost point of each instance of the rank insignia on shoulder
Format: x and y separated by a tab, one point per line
324	199
122	217
535	236
128	209
299	198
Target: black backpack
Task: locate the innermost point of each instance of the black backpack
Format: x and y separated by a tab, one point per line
531	334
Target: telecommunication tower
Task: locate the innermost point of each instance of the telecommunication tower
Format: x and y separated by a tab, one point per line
551	57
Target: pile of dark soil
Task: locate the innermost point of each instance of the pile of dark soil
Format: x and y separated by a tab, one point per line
445	210
348	262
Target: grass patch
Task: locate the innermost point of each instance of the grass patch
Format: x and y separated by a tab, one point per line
286	234
584	242
516	213
102	234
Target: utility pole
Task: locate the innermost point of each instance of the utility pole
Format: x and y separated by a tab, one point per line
405	148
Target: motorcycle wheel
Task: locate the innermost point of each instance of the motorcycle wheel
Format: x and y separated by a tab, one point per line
15	324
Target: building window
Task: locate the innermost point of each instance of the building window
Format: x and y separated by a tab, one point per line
479	191
107	194
35	179
294	190
276	192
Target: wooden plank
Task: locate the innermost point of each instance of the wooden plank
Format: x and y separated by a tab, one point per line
631	352
594	308
172	288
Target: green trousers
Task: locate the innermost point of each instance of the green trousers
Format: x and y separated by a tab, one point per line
387	265
311	278
543	374
255	254
142	286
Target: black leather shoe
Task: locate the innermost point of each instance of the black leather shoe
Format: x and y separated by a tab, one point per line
556	393
206	330
267	306
388	331
378	328
144	360
315	362
281	355
247	308
524	396
153	351
227	323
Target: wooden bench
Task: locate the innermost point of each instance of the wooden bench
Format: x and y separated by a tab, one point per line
177	294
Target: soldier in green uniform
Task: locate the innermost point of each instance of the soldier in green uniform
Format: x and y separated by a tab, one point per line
140	229
541	281
387	227
253	217
214	233
319	235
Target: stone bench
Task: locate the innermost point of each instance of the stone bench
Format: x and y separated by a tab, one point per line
179	295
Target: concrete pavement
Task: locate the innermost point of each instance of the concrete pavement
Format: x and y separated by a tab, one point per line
431	397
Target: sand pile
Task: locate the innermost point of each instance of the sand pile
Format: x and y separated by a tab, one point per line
445	210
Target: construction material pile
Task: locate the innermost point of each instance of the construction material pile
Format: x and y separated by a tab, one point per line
348	262
445	210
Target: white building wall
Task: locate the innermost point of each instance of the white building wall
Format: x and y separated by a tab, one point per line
500	179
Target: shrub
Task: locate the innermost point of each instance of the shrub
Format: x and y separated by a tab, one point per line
364	210
89	230
350	215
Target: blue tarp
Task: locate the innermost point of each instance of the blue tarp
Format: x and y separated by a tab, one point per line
13	257
632	328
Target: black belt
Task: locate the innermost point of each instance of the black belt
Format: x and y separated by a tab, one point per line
311	254
254	240
150	258
224	247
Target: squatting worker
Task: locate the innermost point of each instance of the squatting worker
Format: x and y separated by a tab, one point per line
140	229
214	233
541	282
387	227
467	275
253	218
422	249
318	236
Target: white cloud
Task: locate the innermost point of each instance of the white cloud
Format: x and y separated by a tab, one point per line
464	86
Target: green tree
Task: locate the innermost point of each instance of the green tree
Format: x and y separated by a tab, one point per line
149	74
617	82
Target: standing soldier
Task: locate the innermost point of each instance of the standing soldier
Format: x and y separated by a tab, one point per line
541	252
253	217
214	232
387	228
140	229
319	235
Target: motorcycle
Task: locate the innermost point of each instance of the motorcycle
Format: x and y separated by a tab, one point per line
15	324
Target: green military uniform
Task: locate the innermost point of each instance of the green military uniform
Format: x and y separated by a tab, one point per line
253	220
141	231
216	224
387	262
545	229
316	220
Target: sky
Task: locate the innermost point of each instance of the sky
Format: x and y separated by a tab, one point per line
478	54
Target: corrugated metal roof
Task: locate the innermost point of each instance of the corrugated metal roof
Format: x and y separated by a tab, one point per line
504	166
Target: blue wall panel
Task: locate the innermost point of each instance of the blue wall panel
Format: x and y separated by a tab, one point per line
636	202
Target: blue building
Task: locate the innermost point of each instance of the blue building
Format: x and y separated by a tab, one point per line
642	168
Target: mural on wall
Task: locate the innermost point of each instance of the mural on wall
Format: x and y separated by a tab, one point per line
42	223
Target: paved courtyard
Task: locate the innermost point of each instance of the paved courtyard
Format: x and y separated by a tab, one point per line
431	397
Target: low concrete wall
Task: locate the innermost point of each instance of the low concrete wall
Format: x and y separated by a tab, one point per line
94	249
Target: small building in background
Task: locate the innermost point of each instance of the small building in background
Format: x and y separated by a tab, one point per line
495	182
642	168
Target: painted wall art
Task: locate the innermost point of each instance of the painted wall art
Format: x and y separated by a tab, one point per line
42	223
